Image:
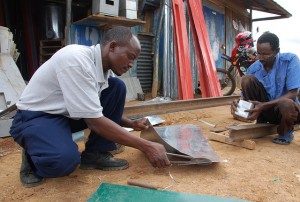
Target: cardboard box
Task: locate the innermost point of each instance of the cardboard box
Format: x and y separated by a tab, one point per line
105	7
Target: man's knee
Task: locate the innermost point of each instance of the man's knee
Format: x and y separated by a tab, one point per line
288	110
285	104
247	80
115	82
56	164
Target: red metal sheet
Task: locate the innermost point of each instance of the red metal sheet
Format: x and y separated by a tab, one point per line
209	82
184	73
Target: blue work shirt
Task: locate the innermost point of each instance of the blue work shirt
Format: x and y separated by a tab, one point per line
283	77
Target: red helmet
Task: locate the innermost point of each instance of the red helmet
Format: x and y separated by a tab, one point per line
244	39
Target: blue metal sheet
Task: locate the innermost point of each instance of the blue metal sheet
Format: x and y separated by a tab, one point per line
84	35
215	24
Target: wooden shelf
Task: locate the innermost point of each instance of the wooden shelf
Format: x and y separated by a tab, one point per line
100	20
49	47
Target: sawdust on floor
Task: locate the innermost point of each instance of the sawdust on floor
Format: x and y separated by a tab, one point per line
268	173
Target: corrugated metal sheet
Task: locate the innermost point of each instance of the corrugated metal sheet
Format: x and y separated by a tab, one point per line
145	62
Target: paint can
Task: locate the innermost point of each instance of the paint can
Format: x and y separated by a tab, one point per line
141	96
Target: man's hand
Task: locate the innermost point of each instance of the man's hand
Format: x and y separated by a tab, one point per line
156	154
255	112
139	124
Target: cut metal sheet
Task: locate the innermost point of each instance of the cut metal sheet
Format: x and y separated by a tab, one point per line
5	127
154	120
3	104
185	144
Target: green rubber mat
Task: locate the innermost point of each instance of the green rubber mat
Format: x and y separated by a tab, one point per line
119	193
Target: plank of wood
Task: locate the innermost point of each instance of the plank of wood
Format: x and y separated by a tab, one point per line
244	132
252	131
248	144
98	20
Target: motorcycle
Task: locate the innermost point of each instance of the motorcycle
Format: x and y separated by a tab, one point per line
242	56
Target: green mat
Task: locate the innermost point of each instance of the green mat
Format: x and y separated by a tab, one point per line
119	193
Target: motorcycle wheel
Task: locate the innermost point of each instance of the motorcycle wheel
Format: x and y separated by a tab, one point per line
227	82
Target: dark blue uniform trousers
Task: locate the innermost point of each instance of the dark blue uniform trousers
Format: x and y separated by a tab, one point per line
47	138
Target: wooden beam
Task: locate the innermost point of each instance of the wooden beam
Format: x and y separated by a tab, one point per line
99	20
252	131
248	144
244	132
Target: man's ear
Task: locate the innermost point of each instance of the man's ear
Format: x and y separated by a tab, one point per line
277	50
112	46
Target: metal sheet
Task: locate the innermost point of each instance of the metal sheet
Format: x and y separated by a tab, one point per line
176	106
145	62
5	127
3	104
185	140
154	120
11	80
113	192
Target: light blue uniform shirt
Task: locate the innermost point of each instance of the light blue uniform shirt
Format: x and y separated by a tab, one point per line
283	77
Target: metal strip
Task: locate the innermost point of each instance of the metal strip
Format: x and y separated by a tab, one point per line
9	112
159	108
176	106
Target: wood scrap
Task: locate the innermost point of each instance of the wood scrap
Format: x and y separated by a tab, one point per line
142	184
218	130
209	124
248	144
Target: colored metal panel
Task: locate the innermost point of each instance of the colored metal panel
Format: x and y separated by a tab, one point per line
145	62
185	86
113	192
84	35
209	83
215	25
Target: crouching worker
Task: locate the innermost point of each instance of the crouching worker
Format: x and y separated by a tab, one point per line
272	84
75	89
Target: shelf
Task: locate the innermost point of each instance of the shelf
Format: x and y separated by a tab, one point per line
100	20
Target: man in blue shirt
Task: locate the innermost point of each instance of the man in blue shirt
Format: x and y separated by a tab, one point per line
272	84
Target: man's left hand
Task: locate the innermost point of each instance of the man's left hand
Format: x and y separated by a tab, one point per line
139	124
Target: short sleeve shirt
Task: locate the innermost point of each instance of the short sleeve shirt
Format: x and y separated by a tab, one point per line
69	84
283	77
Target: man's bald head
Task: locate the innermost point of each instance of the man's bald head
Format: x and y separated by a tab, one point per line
119	34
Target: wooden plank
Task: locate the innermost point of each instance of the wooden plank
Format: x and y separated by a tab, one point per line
252	131
248	144
99	20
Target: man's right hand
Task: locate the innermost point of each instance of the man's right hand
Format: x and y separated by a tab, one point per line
156	154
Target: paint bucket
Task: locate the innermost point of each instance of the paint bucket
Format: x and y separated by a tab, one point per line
141	96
